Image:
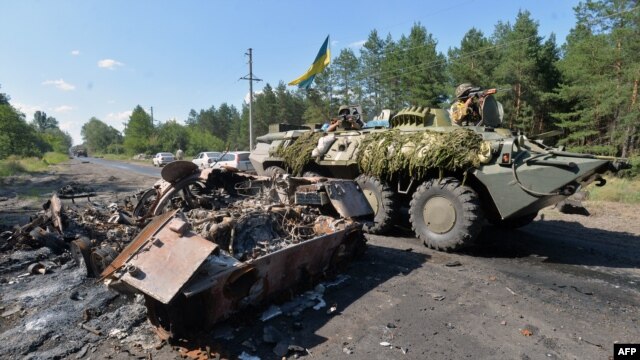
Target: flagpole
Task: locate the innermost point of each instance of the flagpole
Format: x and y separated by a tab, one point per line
330	81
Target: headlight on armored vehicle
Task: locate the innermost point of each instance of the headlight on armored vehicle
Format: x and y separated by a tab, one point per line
484	155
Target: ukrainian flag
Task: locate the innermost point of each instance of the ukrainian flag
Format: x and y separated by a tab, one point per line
322	60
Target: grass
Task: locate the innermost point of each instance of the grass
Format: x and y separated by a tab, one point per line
617	190
15	165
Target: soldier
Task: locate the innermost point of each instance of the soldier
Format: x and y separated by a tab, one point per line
466	109
350	119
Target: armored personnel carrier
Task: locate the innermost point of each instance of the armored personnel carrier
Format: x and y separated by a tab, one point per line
451	178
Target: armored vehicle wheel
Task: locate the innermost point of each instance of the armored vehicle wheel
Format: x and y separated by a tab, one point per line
272	171
445	214
515	222
383	202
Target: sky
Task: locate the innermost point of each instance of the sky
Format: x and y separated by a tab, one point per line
75	59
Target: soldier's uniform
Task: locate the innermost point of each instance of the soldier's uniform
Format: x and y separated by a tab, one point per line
461	112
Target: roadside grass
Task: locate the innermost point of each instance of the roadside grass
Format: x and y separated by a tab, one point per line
616	190
15	165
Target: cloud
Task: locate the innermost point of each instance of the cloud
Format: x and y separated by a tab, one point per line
28	110
63	108
109	64
75	52
334	42
60	84
357	44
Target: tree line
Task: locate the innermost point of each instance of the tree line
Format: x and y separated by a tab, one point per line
586	87
21	138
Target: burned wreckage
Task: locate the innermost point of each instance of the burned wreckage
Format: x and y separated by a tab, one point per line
203	244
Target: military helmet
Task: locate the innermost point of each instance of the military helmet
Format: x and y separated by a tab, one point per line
462	88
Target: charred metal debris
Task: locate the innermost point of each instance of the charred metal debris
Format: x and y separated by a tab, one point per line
203	244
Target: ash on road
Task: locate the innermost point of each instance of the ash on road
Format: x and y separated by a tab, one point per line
564	287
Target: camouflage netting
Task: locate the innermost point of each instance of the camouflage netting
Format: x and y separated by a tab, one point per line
386	153
298	155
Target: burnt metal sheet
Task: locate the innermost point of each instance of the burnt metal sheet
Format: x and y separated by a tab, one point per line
177	170
224	286
143	237
165	263
347	198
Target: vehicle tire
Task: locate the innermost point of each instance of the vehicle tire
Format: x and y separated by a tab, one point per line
515	223
383	202
445	214
272	171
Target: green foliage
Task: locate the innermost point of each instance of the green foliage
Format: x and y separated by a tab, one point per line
56	140
172	136
100	137
11	167
473	61
41	122
15	164
387	153
138	132
16	136
298	155
618	190
200	141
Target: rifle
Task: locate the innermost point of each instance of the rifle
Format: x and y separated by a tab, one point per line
479	93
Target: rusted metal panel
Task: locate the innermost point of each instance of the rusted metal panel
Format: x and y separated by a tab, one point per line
346	196
223	285
163	265
132	249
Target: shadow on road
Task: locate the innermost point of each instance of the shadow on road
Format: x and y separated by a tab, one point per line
378	265
560	242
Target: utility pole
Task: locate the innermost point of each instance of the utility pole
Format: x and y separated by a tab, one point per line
251	80
152	116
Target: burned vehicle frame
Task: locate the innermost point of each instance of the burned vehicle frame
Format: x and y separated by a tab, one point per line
220	241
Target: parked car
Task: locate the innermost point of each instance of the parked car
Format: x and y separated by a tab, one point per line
238	159
163	158
205	159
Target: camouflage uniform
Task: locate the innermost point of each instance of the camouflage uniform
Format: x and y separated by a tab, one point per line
462	112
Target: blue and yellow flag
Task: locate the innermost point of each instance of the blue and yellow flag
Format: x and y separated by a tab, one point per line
322	60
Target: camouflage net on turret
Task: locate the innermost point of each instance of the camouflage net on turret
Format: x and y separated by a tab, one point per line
386	153
298	155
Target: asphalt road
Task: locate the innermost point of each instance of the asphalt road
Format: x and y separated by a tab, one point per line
148	170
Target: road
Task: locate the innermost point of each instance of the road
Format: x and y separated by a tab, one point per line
148	170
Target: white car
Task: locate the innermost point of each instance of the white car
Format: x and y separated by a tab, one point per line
163	158
237	159
205	159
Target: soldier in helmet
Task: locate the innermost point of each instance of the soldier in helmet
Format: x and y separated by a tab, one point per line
466	109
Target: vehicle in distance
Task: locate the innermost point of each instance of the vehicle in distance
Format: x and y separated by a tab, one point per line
163	158
237	159
205	159
79	151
